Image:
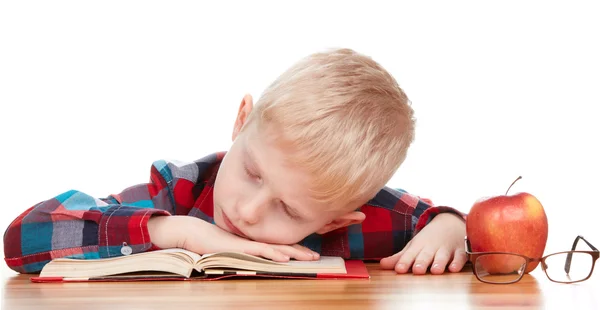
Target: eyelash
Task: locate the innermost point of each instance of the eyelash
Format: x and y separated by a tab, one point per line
283	205
287	211
250	174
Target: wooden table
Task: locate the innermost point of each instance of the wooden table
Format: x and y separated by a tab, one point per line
385	290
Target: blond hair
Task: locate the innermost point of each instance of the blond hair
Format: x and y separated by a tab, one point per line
343	119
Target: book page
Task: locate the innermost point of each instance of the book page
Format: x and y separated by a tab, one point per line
239	262
241	256
323	262
194	256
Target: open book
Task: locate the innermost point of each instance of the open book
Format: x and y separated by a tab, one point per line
174	264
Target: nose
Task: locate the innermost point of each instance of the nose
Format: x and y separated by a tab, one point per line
252	211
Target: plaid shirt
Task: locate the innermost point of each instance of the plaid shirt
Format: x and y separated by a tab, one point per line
76	225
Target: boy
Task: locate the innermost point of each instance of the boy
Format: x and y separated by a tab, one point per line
305	176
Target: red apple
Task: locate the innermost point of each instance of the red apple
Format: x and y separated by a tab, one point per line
508	223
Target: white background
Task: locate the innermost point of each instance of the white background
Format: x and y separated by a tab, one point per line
91	93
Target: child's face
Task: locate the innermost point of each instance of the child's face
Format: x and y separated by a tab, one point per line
258	196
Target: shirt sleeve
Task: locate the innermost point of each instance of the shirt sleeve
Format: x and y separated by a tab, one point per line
421	210
393	218
76	225
431	212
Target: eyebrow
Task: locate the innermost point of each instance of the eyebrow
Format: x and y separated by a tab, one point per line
254	165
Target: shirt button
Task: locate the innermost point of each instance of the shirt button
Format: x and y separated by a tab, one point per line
126	250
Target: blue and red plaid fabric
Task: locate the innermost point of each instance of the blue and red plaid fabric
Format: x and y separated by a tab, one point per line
76	225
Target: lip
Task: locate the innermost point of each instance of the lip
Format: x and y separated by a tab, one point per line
232	227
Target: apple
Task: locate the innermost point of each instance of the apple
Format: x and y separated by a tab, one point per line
507	223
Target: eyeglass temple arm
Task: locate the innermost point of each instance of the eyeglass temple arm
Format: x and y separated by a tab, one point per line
570	255
589	244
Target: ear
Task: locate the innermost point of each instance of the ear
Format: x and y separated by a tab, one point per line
354	217
243	112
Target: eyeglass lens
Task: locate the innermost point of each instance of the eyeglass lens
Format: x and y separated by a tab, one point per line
580	267
500	268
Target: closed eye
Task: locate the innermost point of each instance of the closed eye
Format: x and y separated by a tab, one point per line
250	174
290	212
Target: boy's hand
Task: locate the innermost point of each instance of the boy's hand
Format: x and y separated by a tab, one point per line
198	236
440	242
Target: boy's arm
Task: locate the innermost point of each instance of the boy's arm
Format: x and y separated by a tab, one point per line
74	224
393	218
430	212
413	234
420	210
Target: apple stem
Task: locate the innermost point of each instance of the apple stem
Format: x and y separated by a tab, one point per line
512	185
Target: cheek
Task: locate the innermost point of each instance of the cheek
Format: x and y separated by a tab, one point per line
219	189
223	196
225	183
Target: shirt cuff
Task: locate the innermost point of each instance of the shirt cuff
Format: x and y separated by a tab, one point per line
432	212
123	230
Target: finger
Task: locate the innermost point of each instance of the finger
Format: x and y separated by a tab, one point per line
294	252
423	260
459	260
308	251
407	258
390	261
440	261
267	251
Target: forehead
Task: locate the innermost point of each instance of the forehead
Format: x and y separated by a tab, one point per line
270	155
272	160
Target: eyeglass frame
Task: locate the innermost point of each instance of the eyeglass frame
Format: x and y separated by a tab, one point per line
472	257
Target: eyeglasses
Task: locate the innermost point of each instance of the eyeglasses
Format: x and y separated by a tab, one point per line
561	267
